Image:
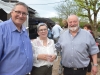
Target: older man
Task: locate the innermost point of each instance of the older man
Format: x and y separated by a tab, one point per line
77	44
16	57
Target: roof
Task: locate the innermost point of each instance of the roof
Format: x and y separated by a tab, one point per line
7	7
36	20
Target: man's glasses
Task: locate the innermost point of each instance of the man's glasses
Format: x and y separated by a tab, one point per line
19	13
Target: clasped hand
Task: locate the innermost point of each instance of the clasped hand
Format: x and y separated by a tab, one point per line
46	57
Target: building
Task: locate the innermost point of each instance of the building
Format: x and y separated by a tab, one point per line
31	22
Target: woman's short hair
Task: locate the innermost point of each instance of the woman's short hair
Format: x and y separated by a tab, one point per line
41	24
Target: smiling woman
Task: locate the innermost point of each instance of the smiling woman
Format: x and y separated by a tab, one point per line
42	30
44	52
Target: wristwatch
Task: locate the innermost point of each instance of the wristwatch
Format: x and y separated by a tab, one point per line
95	64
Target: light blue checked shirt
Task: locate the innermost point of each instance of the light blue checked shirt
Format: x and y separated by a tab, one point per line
56	31
16	56
76	50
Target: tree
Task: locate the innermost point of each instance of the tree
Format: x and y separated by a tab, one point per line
90	9
66	8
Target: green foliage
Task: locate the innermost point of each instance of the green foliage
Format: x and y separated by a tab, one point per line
90	10
66	8
82	24
98	26
55	19
98	29
87	10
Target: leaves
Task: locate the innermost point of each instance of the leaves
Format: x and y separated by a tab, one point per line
66	8
85	9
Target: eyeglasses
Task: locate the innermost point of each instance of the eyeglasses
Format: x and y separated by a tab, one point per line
19	13
41	30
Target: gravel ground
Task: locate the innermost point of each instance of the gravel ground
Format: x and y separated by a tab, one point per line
56	67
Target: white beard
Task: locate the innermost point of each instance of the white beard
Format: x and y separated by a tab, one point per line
73	28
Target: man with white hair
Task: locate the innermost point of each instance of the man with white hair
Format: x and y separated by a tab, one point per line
76	45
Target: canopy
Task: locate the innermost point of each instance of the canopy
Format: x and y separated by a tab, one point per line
6	6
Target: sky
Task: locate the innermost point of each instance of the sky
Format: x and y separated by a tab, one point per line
43	10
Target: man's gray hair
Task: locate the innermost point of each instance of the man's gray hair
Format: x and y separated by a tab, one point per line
20	3
72	15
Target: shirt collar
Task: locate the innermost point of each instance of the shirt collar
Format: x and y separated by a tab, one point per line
13	26
41	41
